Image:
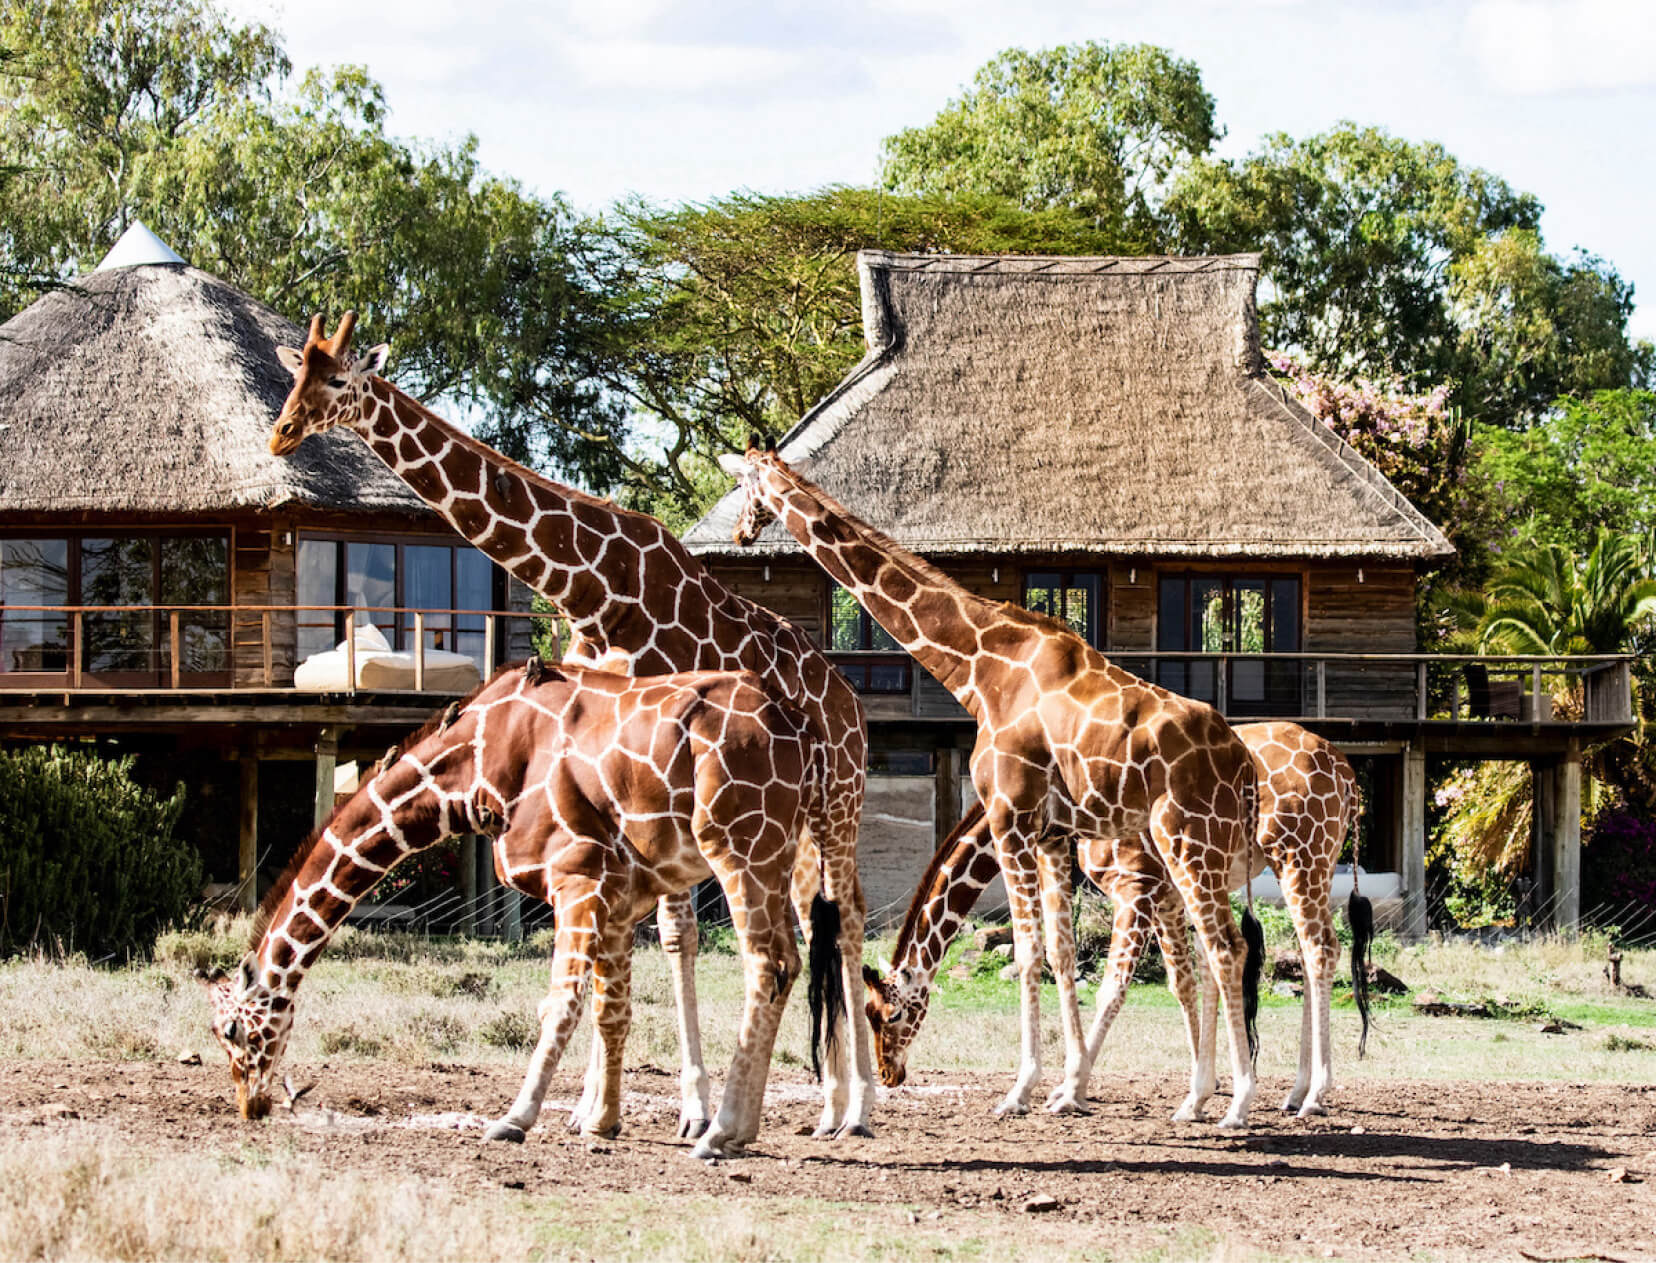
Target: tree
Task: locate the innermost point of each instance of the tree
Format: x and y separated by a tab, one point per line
716	321
1551	600
1386	257
1100	129
1589	465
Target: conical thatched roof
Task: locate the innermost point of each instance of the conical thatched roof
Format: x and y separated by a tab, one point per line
152	389
1095	405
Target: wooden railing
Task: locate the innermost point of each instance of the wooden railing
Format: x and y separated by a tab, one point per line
1567	689
235	646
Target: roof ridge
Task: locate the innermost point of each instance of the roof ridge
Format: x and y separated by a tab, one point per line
1038	265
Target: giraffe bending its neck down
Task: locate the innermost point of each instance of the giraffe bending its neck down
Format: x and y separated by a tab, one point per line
638	604
603	793
1308	801
1068	743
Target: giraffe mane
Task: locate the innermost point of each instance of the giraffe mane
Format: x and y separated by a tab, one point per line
301	853
928	880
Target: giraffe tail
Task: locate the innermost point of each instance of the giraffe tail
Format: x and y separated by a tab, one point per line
1360	915
1253	967
825	988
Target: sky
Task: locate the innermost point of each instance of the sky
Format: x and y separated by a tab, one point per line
687	100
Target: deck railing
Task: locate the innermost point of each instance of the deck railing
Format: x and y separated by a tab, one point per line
150	647
1426	688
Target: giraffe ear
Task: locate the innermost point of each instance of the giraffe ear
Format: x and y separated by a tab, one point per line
373	359
248	975
291	357
733	464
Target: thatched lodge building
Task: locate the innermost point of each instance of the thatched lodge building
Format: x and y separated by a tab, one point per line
162	574
1098	438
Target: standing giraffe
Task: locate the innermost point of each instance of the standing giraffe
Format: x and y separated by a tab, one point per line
1068	743
638	604
1307	803
604	792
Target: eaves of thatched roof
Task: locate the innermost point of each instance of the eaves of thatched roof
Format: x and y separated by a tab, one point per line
1082	405
152	389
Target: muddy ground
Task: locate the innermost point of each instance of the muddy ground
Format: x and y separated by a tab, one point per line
1506	1170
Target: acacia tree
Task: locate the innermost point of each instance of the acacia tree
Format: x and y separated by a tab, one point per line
1097	128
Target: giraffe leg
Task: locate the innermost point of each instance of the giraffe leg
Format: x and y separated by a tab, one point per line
1053	862
844	888
802	892
611	1019
1204	1079
770	963
1173	933
1320	950
1128	928
580	920
1023	897
680	937
1198	850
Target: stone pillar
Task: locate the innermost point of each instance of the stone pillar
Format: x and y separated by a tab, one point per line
247	851
327	758
1411	848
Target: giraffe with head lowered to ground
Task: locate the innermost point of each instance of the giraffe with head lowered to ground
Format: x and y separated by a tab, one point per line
1068	743
636	603
1308	802
603	792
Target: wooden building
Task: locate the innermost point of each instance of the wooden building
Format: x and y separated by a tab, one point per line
1098	438
161	573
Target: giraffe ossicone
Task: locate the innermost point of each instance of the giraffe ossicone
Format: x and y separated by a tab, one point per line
711	774
636	603
1068	744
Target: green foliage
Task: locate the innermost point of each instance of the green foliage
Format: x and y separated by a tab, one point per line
511	1029
1551	600
88	861
1389	257
1097	128
714	322
1589	465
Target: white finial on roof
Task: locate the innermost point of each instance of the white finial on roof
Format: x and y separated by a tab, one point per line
137	246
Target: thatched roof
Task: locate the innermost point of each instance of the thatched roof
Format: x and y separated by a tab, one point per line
152	389
1090	405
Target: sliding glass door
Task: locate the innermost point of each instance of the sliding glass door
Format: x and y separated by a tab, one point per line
1232	615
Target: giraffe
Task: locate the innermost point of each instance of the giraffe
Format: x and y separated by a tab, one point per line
602	792
1308	801
639	604
1068	743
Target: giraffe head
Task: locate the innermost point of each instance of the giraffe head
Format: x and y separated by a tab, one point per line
896	1007
753	514
328	383
251	1023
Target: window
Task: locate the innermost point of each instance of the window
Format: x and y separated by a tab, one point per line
852	631
1232	614
437	579
1073	597
122	646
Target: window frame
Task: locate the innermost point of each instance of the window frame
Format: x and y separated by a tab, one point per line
1097	633
1177	676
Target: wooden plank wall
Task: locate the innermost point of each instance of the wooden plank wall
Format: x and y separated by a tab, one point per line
1374	616
264	575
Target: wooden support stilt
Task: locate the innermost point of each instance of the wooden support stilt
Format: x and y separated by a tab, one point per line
327	758
247	851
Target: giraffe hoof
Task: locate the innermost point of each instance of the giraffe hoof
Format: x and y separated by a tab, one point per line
1228	1123
826	1131
709	1150
1060	1103
854	1131
1011	1109
504	1130
573	1126
692	1128
1188	1113
1311	1109
603	1133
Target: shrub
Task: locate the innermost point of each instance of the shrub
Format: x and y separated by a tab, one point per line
1618	863
88	860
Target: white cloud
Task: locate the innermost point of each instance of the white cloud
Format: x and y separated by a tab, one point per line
1547	47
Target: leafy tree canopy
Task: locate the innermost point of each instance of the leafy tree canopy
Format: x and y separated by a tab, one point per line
1386	256
716	321
1097	128
1589	465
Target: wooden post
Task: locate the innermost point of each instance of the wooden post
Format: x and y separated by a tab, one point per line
946	808
269	651
172	644
327	758
247	852
1566	841
1322	688
1222	700
1543	812
419	653
468	884
1411	824
488	645
77	651
513	915
1420	686
350	651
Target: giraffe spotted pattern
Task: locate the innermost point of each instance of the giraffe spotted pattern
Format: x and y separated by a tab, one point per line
1068	743
637	603
1308	801
603	793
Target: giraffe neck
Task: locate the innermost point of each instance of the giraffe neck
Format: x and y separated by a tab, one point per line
961	869
406	808
933	617
614	574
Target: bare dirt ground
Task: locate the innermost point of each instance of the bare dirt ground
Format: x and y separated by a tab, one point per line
1444	1169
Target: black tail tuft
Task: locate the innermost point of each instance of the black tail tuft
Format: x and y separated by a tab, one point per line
825	989
1360	912
1253	966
